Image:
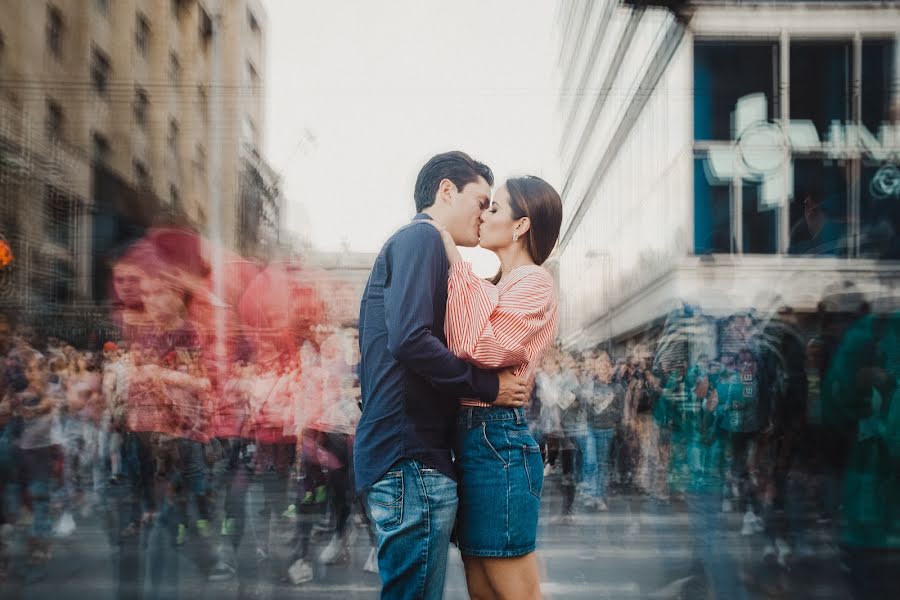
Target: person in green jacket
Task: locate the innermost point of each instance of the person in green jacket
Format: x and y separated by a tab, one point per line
860	396
697	470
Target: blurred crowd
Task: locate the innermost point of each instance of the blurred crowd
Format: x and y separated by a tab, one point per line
780	429
140	436
209	393
221	427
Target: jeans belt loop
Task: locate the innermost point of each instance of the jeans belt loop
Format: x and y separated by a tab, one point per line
469	410
518	412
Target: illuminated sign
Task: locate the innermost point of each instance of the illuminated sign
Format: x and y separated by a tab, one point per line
761	151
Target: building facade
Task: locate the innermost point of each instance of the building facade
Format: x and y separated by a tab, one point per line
730	156
115	116
341	276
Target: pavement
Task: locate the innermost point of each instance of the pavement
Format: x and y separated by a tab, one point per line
598	555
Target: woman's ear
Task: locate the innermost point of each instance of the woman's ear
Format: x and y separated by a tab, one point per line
523	226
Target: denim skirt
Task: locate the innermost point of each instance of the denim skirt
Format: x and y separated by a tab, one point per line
501	475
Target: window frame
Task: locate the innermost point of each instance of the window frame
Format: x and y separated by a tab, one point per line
785	40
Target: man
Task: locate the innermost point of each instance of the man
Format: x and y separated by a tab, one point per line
411	382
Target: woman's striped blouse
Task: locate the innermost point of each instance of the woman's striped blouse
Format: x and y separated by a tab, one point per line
510	324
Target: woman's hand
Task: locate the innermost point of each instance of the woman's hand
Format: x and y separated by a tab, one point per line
453	254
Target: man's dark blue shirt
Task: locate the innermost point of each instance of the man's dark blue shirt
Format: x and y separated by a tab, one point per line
411	383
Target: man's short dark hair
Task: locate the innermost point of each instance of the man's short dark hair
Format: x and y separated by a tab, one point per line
458	167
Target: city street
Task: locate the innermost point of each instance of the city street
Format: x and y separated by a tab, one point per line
592	557
259	255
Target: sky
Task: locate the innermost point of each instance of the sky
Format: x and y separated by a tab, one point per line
361	93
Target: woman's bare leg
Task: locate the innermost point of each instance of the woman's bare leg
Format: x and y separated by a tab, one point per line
477	581
515	578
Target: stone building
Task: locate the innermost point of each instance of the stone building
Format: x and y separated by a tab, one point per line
119	115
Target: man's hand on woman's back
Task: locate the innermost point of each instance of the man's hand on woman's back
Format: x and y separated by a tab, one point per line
514	391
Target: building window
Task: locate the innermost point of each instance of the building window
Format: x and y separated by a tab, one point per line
878	71
177	6
252	78
818	208
794	159
59	208
879	185
820	83
101	150
172	138
740	166
251	20
759	233
174	68
200	160
820	99
62	281
102	6
206	28
141	106
55	121
142	35
725	72
100	72
203	103
712	211
141	175
54	31
249	131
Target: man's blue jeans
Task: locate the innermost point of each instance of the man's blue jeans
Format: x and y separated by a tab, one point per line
412	508
595	446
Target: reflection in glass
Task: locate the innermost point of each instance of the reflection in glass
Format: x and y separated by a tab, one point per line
725	72
877	75
880	210
712	211
818	213
760	223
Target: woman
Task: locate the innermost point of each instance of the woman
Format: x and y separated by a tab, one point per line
509	322
36	406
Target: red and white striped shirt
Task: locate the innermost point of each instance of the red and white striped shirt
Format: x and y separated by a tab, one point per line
510	324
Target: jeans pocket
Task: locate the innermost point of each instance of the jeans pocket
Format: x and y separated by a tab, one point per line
385	501
534	469
492	448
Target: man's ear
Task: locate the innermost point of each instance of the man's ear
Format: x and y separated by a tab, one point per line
445	191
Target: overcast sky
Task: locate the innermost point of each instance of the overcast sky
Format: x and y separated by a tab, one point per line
362	93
